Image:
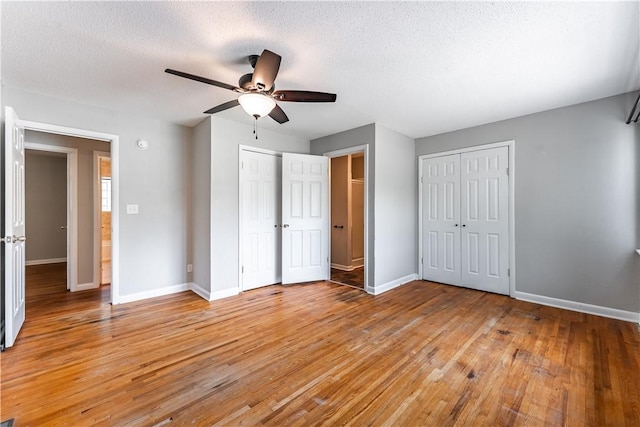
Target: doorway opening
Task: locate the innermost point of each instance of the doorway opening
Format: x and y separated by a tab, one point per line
102	217
348	218
60	213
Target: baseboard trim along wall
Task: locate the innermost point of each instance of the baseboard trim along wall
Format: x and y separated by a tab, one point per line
342	267
85	286
201	292
225	293
581	307
45	261
123	299
394	284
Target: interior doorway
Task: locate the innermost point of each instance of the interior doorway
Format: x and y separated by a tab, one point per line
102	209
348	219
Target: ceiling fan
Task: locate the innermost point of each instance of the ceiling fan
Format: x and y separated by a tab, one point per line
258	95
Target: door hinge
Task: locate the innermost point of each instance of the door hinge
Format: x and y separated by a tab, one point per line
421	260
421	180
508	272
507	171
243	269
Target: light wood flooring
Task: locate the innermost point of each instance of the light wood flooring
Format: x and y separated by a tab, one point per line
422	354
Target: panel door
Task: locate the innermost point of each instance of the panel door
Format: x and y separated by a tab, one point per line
441	219
305	218
14	227
261	244
485	219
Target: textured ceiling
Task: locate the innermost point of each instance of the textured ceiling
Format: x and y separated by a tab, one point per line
417	68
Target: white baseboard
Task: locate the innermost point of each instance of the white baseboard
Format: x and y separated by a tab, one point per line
45	261
393	284
581	307
225	293
122	299
85	286
342	267
200	291
357	263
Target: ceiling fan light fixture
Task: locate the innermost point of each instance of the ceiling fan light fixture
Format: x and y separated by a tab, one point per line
256	104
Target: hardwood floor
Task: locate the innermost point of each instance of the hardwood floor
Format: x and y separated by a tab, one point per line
421	354
351	278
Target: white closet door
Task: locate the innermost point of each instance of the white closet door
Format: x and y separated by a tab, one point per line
441	219
305	218
485	222
260	219
14	297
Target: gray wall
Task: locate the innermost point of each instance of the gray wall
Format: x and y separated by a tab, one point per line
201	219
576	199
45	206
86	227
154	245
364	135
226	136
396	209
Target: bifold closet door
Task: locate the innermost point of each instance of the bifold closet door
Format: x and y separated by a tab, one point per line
485	219
441	219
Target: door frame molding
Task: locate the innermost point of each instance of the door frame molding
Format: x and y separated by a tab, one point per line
71	203
241	150
510	144
343	152
97	221
114	140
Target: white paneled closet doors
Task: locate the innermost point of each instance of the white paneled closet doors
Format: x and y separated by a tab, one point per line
465	219
284	218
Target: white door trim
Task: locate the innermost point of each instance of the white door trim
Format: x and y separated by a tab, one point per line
114	140
343	152
72	206
97	221
512	245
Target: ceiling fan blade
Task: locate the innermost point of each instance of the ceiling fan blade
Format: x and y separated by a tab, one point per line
303	96
222	107
200	79
278	115
266	70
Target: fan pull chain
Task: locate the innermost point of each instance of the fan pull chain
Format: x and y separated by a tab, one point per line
255	125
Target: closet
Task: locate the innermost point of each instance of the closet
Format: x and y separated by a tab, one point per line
347	212
465	219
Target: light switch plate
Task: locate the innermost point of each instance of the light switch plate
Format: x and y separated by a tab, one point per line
132	209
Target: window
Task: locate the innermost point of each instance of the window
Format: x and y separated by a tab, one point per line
106	194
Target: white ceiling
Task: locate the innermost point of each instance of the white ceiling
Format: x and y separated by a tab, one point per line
418	68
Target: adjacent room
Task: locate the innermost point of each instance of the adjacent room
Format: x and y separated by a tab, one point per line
311	213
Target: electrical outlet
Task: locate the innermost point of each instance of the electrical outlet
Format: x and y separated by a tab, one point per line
132	209
189	268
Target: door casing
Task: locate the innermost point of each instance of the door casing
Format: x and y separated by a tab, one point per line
343	152
114	140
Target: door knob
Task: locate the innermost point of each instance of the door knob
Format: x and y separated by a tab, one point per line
464	225
456	225
285	225
338	226
18	239
62	227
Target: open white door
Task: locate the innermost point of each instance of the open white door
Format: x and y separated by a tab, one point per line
305	218
14	227
260	216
